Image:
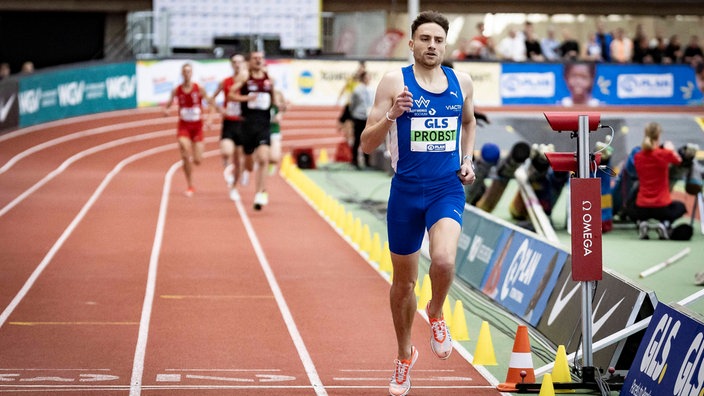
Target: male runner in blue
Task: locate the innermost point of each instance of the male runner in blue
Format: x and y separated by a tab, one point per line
427	113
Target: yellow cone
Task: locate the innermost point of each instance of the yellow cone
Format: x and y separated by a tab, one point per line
357	232
547	389
484	352
426	293
365	243
385	261
340	217
375	253
458	331
561	370
349	225
286	163
323	157
447	313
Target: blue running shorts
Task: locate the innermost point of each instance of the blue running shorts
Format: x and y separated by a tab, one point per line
415	206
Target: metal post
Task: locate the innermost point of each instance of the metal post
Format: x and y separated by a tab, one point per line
587	287
413	7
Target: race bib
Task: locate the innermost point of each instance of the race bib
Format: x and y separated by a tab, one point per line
434	134
261	102
190	113
234	109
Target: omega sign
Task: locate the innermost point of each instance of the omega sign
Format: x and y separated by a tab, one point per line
585	201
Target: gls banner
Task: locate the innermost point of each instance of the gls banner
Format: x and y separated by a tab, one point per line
669	359
48	96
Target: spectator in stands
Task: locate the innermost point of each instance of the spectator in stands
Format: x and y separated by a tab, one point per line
699	76
692	54
673	51
344	122
463	50
361	103
481	46
569	48
621	49
592	49
27	67
481	37
604	39
640	50
512	47
549	45
488	52
533	51
652	164
638	36
4	70
579	78
656	53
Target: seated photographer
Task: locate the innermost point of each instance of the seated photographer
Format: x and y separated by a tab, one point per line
653	200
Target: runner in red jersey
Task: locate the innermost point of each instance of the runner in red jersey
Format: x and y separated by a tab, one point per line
190	98
231	136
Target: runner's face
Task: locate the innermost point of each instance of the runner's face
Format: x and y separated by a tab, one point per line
428	44
256	61
237	63
187	73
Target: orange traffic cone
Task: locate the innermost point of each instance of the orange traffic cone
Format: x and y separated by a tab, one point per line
521	362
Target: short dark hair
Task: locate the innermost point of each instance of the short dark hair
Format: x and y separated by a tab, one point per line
430	17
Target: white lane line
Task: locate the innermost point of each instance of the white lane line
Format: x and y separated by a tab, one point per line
73	120
80	155
72	226
283	307
77	135
141	347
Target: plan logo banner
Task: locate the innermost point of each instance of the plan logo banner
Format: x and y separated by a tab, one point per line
647	85
530	83
479	240
522	273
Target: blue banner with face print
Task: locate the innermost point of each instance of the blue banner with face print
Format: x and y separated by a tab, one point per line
646	85
598	84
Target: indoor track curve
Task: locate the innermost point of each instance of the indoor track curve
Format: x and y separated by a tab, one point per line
113	282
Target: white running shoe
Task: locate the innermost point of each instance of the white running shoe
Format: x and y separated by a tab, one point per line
234	195
245	178
260	199
229	177
400	383
440	339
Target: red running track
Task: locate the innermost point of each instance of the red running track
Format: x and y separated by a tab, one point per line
115	283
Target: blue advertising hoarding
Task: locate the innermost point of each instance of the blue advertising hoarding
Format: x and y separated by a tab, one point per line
646	85
669	359
595	84
531	83
522	274
478	241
